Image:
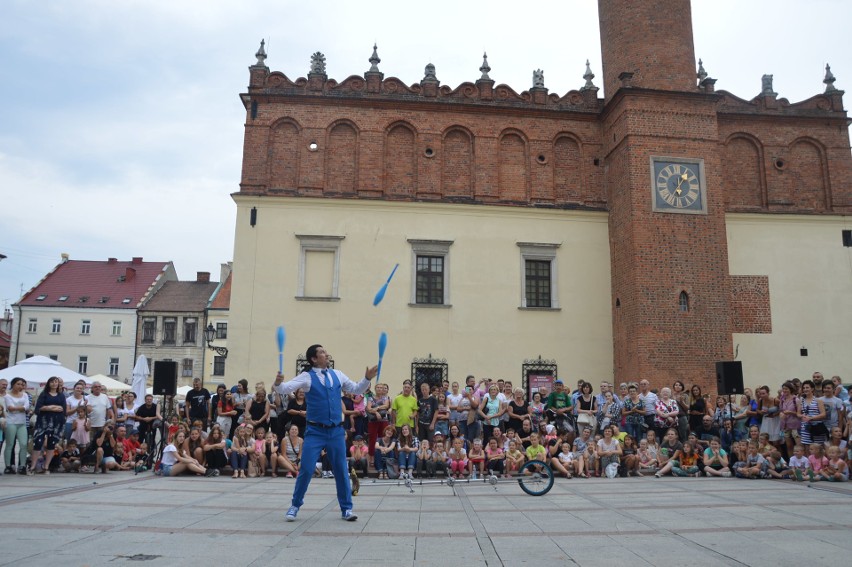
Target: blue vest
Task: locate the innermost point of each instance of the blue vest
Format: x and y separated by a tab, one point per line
324	405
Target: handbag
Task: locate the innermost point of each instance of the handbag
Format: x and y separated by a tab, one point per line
587	419
817	429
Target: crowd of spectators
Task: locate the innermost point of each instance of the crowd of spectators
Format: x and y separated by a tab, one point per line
799	431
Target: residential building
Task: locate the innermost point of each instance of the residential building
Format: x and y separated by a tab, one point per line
171	326
84	314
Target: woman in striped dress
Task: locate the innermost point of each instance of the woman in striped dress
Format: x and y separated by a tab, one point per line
811	412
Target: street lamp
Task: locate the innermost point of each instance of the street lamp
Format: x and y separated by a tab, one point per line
209	335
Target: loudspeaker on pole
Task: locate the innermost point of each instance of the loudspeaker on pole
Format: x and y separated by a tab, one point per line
165	378
729	377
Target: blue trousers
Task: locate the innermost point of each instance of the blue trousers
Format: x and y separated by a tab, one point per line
334	443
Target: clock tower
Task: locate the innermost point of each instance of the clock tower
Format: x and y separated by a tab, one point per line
670	277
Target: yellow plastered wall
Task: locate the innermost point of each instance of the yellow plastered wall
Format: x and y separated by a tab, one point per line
810	288
483	332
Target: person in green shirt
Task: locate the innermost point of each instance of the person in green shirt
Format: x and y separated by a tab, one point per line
404	408
558	406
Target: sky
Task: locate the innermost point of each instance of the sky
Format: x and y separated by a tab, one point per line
121	128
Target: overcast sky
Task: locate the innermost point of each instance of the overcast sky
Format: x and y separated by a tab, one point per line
121	129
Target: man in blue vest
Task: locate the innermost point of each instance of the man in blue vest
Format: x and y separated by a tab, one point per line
323	389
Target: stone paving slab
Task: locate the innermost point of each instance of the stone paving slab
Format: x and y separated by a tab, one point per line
121	519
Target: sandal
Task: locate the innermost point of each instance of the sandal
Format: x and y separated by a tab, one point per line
274	475
235	475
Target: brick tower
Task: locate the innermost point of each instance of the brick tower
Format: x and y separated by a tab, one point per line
670	276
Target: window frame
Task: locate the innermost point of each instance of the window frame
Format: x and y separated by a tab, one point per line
114	363
190	323
85	328
56	327
83	364
219	365
430	248
116	326
540	251
186	368
166	323
149	322
319	243
32	325
221	330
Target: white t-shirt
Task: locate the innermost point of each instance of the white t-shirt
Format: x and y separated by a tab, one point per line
833	407
99	404
170	455
71	403
650	400
17	417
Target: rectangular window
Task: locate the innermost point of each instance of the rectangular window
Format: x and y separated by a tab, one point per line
85	327
53	357
56	327
186	368
113	367
218	366
169	329
30	355
430	280
221	330
149	330
82	364
539	275
189	328
116	328
538	283
319	268
847	238
32	325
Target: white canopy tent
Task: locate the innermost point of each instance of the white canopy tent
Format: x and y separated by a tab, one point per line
36	370
110	384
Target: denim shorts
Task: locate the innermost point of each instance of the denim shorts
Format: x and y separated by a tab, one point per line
166	470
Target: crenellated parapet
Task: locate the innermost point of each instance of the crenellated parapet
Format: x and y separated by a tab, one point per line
374	86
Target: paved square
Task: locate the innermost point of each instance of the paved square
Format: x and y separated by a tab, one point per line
118	519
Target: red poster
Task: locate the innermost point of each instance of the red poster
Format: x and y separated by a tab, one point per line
538	381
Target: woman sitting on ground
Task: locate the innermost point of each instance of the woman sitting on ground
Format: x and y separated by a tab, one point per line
176	461
716	459
291	449
215	449
193	445
239	450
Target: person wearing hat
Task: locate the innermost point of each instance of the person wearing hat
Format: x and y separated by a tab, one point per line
558	406
323	387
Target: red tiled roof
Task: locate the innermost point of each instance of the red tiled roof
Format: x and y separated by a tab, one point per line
85	283
181	296
222	300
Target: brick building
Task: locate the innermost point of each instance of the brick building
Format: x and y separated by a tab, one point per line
648	234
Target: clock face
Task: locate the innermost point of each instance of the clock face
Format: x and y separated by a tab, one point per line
678	185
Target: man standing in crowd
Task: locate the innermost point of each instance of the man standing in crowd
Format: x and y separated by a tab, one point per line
404	408
558	406
427	407
149	419
650	400
835	411
196	402
100	411
323	389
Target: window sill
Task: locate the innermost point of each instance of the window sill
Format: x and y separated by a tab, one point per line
431	305
307	298
539	309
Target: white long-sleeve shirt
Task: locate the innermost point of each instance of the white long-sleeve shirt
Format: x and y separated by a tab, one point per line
303	382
